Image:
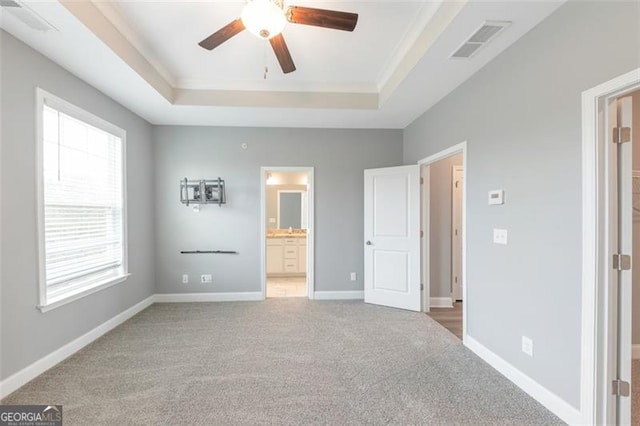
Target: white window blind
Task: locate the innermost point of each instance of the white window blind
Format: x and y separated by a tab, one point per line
83	204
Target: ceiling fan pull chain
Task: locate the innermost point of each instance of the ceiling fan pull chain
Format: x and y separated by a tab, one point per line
264	57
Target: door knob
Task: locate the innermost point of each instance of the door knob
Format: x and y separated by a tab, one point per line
369	243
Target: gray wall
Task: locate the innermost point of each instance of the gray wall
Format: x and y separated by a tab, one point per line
635	137
339	158
521	116
28	334
440	225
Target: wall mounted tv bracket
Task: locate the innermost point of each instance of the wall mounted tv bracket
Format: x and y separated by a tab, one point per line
202	191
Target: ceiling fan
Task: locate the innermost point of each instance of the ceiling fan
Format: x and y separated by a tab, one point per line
267	18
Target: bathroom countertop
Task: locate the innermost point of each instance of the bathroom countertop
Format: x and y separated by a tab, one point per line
294	235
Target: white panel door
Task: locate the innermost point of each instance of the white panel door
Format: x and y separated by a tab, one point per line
392	237
457	182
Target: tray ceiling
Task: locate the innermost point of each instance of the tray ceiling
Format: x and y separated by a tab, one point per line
393	67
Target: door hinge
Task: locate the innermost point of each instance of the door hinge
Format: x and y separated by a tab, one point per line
421	234
621	135
620	388
621	262
456	280
421	287
421	181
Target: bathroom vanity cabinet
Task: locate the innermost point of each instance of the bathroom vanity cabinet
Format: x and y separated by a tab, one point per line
287	255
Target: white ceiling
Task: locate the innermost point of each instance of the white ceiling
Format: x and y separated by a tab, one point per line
327	59
391	69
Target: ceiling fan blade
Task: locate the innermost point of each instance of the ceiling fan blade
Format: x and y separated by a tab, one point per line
282	53
324	18
222	35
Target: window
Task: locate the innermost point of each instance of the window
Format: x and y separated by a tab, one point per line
82	228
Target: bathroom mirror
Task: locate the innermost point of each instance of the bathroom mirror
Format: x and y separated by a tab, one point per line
290	209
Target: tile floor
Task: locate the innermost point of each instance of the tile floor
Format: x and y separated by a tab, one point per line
287	286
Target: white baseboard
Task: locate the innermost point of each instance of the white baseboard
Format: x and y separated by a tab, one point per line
635	351
551	401
207	297
338	295
30	372
440	302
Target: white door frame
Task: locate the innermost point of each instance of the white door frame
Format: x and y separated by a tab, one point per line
310	226
595	406
460	148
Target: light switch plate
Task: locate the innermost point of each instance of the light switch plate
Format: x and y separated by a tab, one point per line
500	236
185	279
206	279
353	276
496	197
527	346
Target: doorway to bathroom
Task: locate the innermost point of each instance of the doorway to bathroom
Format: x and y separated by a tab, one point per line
287	232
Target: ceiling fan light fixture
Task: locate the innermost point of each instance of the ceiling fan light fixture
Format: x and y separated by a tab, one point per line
263	18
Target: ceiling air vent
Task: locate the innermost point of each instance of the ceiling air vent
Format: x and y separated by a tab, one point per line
26	15
482	36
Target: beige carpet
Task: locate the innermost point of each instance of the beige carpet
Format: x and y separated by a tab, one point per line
283	361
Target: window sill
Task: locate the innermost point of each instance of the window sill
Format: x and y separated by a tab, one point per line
68	298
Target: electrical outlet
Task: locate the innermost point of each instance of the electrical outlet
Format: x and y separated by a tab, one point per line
206	279
500	236
185	279
354	276
527	346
